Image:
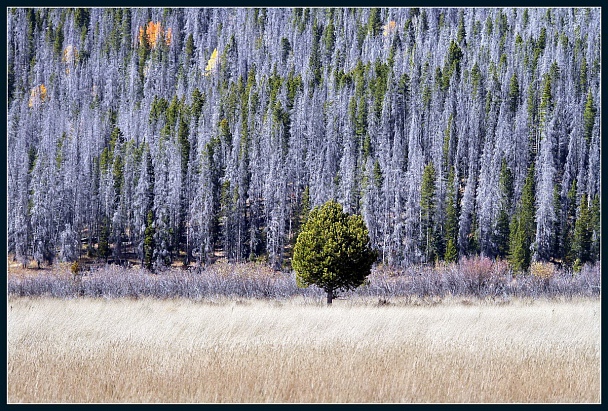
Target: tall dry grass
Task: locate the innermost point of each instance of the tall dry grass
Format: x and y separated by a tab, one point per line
150	350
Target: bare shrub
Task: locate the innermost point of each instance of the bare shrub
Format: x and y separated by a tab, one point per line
476	274
475	277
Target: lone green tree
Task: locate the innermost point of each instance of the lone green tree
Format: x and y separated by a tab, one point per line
333	250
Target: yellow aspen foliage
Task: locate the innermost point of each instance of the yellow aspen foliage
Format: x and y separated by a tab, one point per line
37	96
389	28
212	64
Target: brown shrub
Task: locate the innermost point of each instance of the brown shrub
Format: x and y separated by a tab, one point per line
543	271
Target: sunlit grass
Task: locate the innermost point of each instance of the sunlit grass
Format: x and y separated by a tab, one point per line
298	350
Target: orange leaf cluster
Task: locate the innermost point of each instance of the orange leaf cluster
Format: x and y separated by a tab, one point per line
37	95
153	32
389	28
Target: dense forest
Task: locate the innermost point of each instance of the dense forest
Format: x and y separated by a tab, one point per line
187	135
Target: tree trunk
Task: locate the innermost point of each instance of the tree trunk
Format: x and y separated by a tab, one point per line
330	296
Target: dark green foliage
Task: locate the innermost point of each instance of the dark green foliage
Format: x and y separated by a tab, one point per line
595	228
361	118
476	79
58	40
158	109
473	240
451	219
294	84
149	241
117	172
374	24
379	87
570	220
451	252
461	33
173	112
378	178
367	146
452	64
447	143
519	254
546	101
143	52
428	206
333	250
502	230
583	75
189	48
82	18
581	241
285	49
502	233
198	100
184	144
103	248
532	120
589	117
523	227
314	63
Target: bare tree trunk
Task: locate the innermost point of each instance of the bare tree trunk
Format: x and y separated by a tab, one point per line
330	296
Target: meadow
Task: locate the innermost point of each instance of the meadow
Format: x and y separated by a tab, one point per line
299	350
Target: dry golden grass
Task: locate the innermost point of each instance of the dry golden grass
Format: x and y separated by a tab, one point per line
88	350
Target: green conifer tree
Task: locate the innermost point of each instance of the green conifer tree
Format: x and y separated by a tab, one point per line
461	33
149	241
581	241
595	228
502	229
374	25
523	228
103	248
333	250
427	212
589	117
451	220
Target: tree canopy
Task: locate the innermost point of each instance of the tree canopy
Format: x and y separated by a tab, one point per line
333	250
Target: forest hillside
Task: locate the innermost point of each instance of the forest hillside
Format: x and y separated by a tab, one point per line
167	135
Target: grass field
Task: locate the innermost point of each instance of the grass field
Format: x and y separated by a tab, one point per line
148	350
